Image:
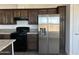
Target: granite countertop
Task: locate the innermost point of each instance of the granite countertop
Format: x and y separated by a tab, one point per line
11	32
5	43
32	33
5	32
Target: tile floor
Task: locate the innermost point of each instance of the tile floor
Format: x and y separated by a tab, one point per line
36	53
26	53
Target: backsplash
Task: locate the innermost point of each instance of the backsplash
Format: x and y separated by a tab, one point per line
20	22
7	26
7	30
12	28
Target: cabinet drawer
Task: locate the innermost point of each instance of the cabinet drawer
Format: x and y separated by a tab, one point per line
31	35
29	42
32	46
32	40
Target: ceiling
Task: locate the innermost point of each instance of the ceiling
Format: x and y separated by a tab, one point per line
8	6
39	5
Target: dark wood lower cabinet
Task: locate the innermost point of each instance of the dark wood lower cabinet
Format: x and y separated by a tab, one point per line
32	42
4	36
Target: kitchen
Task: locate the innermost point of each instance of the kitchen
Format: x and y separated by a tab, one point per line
8	24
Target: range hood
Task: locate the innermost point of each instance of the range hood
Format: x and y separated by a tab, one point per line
20	18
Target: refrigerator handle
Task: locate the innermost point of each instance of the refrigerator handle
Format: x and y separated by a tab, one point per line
41	30
44	31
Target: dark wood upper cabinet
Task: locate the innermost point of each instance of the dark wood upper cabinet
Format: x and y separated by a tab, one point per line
16	13
48	11
8	17
20	13
52	11
32	16
2	17
62	11
42	11
24	13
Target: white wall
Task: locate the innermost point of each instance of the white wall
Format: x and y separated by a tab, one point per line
8	6
72	27
75	30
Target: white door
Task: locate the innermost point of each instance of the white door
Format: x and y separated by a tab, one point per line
75	34
75	43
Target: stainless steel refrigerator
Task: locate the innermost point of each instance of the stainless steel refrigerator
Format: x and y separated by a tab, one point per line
49	33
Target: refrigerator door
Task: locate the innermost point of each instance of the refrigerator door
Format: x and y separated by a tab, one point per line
43	37
53	33
48	28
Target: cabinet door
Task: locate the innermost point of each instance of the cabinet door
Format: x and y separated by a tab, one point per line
52	11
16	13
6	17
33	16
2	17
32	42
24	13
48	11
43	11
20	13
9	17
